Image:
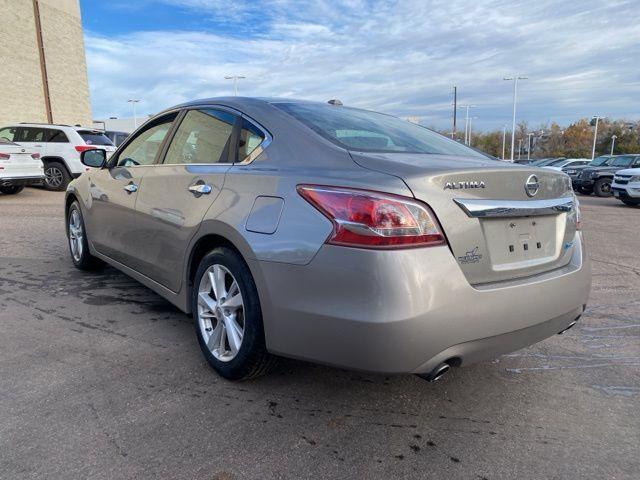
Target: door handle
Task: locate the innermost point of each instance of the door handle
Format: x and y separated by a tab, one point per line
131	188
200	189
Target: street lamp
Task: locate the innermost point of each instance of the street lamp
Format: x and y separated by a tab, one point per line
595	136
133	102
504	136
470	118
235	79
519	148
529	145
466	123
515	79
613	142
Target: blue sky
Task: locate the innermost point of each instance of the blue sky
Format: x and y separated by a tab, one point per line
400	57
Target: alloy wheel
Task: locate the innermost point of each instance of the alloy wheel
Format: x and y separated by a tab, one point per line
221	312
53	176
76	235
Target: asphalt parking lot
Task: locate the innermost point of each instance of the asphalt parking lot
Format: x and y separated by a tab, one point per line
102	378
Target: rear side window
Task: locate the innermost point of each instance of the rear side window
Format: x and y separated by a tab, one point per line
94	138
363	130
30	134
203	137
250	138
57	136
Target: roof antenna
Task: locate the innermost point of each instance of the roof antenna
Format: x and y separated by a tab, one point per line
335	102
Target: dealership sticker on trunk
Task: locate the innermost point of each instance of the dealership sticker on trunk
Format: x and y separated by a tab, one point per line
472	256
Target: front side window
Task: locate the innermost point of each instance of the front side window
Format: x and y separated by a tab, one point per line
250	138
7	134
202	137
624	161
57	136
363	130
144	148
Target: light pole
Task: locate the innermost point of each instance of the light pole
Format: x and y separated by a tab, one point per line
595	136
515	79
529	145
133	102
235	79
519	148
470	118
466	123
504	136
613	142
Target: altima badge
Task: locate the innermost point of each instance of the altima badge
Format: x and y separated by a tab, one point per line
464	185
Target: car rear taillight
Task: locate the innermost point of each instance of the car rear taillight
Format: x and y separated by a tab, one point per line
35	156
84	148
5	156
368	219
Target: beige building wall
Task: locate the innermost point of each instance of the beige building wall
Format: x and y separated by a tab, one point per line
21	88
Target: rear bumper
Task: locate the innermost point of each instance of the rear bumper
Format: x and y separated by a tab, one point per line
21	181
407	311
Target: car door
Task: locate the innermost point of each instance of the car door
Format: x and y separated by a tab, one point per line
111	223
177	193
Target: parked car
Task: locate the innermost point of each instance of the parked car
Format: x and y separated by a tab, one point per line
543	162
568	163
574	170
19	167
626	186
598	179
332	234
59	147
116	137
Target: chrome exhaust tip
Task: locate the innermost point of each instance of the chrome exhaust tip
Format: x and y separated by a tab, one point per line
568	327
436	373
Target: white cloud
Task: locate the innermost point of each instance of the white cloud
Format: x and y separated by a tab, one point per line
401	57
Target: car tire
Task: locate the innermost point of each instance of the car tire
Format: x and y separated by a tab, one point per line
602	187
584	191
221	276
11	189
56	176
631	203
77	240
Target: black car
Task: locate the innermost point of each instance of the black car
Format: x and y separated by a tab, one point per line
598	178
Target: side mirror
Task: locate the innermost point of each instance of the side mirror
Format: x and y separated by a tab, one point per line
94	158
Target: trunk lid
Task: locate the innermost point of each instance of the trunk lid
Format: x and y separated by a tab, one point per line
496	231
19	163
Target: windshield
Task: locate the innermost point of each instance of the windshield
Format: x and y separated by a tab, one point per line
95	138
363	130
557	163
599	161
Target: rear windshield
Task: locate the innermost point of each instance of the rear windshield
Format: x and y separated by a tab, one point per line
94	138
363	130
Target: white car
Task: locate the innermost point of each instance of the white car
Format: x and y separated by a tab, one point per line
19	167
569	162
59	147
626	186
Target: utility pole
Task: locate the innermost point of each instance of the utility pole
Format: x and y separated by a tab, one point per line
235	79
515	79
613	142
133	102
504	136
455	111
519	148
595	136
529	145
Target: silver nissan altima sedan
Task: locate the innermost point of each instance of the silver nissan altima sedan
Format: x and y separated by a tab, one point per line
332	234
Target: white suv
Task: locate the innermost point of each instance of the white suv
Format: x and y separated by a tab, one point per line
59	146
626	186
